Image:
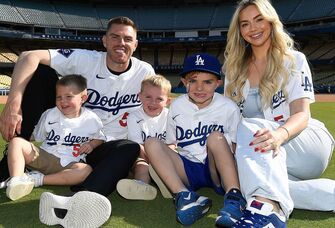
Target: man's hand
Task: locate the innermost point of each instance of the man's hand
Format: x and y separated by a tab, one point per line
10	122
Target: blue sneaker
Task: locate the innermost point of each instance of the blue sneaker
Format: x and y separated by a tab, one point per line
259	214
234	204
190	207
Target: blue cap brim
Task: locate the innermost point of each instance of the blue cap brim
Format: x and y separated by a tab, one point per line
201	70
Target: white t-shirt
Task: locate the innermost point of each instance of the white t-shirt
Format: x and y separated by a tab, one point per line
111	96
188	126
62	136
141	126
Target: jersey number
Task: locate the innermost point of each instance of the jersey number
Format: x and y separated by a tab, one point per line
76	148
123	121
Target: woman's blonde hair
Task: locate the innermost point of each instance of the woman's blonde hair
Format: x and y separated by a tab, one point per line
238	54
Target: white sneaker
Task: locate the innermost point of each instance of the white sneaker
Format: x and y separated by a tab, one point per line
37	177
18	187
84	209
162	187
136	190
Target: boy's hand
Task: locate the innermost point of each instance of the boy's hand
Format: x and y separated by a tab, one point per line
86	148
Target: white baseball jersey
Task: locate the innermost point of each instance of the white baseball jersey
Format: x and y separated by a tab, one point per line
62	136
111	96
188	126
141	126
300	85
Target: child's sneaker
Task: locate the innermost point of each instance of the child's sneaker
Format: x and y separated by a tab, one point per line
160	184
260	214
136	190
191	207
84	209
37	177
18	187
232	211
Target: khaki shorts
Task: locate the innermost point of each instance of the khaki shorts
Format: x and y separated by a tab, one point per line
45	162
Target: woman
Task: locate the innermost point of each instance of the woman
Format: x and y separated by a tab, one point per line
277	140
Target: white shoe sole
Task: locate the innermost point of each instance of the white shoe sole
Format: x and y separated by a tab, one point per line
84	209
162	187
133	190
18	190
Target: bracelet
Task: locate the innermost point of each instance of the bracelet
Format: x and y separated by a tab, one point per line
288	133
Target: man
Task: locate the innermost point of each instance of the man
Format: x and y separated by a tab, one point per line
113	79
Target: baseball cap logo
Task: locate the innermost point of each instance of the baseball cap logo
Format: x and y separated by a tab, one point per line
199	61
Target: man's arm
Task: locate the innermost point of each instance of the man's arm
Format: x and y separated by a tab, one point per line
26	65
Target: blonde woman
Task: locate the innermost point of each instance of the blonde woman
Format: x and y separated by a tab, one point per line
281	149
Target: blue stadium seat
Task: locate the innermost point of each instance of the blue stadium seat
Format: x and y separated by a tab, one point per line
38	13
8	13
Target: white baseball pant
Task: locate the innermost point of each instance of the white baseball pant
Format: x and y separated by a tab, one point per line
308	155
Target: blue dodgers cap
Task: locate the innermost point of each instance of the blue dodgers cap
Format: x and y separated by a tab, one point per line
202	62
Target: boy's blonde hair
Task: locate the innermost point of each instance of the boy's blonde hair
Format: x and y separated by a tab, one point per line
157	80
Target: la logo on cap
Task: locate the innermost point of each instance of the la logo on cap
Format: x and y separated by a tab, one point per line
199	61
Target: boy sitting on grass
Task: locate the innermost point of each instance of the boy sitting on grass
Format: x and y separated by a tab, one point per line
68	132
146	122
201	126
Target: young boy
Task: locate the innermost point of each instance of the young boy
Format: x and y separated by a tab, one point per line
68	132
202	127
146	122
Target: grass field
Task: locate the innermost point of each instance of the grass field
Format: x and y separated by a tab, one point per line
160	212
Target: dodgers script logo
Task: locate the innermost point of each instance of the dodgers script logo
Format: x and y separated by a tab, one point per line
199	61
159	136
197	135
111	104
277	99
52	139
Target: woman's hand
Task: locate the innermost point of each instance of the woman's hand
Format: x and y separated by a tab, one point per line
266	140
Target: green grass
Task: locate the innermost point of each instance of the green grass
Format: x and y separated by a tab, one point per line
160	212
